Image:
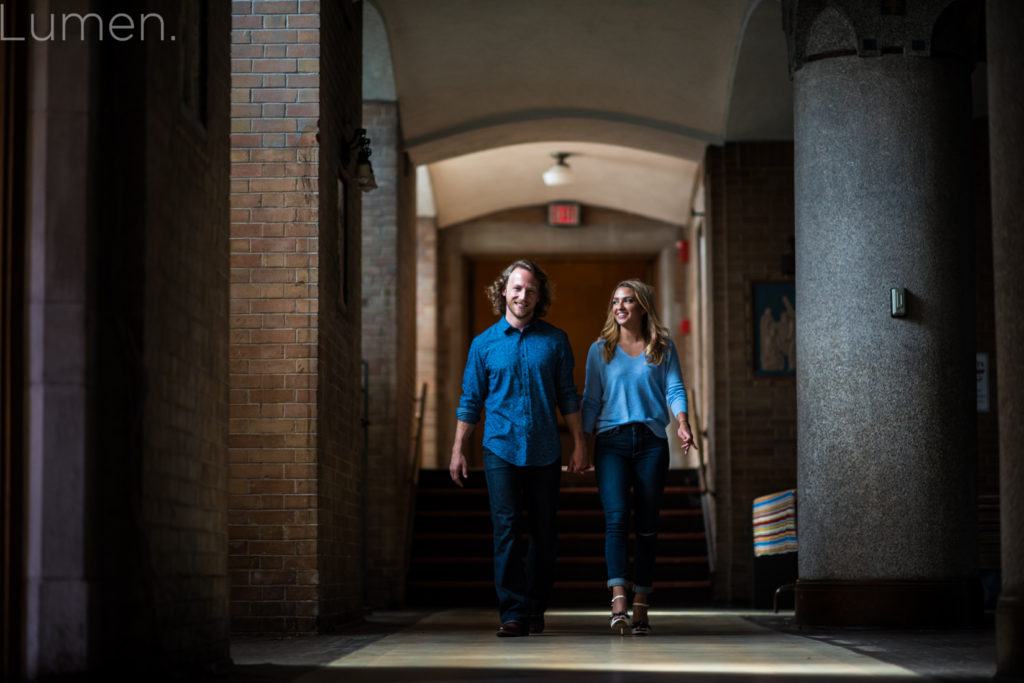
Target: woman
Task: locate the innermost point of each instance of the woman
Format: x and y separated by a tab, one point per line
633	379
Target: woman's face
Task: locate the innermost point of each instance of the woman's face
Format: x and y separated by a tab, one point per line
625	308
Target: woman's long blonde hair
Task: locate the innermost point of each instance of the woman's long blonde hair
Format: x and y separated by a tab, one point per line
654	332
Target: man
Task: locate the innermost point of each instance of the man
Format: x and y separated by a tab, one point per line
518	370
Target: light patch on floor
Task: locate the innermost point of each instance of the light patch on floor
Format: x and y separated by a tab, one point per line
683	642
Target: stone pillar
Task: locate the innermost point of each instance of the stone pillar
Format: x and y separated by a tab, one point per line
57	348
1005	19
882	108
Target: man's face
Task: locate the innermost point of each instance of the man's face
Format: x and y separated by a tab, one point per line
521	294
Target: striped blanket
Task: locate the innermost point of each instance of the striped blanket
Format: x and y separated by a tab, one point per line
775	523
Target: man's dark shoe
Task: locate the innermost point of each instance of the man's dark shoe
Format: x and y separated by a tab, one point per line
537	624
512	629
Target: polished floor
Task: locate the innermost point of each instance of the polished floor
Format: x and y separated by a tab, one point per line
720	646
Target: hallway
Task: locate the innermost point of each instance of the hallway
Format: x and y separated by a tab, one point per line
243	258
726	646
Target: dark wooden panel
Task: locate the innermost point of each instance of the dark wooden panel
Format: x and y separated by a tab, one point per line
12	297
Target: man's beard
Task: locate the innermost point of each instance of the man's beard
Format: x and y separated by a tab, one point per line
527	312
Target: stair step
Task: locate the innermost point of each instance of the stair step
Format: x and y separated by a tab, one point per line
558	584
431	478
572	535
590	489
452	552
705	583
594	559
564	514
484	571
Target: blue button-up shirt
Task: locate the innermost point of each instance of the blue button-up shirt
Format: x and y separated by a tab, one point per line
518	377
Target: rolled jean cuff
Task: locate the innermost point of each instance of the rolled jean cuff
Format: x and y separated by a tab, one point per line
643	590
618	582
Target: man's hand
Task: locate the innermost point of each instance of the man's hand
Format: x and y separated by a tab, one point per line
458	468
579	463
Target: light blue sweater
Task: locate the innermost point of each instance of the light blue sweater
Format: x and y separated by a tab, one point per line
631	390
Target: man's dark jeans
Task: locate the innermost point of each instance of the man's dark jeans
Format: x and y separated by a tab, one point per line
523	589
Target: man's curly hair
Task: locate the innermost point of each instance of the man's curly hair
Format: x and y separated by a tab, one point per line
495	291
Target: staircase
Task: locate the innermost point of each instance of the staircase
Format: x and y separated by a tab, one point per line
451	562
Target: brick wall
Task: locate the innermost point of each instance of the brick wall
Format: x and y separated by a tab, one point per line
342	500
294	469
985	323
750	224
157	476
388	342
990	558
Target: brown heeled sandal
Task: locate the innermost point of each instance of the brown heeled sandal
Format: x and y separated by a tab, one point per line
641	627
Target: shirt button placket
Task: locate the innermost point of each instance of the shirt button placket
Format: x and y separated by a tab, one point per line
529	387
528	394
524	384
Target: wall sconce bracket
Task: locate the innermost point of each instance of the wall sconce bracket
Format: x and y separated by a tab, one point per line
360	145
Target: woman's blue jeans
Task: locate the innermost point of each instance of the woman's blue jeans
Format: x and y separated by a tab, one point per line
524	589
628	457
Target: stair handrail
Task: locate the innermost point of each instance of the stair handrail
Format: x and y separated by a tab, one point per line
412	480
700	439
417	439
707	492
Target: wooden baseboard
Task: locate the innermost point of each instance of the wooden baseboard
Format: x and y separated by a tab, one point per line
889	604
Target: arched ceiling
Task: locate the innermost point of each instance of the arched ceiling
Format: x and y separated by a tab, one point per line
487	89
609	176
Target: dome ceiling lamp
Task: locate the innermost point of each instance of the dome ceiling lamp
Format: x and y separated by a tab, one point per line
559	173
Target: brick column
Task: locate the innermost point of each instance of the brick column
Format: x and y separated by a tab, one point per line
388	267
426	339
274	302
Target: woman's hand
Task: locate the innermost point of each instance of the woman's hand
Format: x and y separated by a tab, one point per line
685	434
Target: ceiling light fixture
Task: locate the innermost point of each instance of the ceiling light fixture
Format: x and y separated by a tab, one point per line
559	173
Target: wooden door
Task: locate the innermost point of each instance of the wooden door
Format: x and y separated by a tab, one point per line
583	288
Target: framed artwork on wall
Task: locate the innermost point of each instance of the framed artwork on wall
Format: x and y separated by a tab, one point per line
771	314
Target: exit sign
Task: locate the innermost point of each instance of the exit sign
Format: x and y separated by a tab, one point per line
564	213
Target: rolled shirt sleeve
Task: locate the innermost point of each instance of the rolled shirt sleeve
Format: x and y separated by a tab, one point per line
474	386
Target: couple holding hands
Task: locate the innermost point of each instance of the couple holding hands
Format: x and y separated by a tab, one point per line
518	371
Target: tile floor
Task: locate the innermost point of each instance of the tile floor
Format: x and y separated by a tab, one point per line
715	645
